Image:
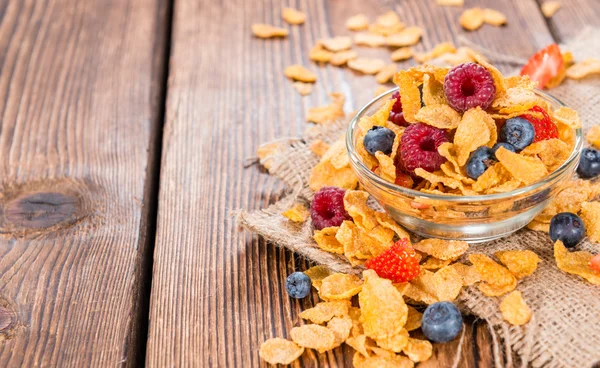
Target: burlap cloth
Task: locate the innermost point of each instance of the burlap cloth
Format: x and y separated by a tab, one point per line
565	328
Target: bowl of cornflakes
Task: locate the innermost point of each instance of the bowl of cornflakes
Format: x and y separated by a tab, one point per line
464	153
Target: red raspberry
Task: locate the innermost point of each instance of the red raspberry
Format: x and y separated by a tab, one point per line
418	147
544	128
396	115
398	263
469	85
327	208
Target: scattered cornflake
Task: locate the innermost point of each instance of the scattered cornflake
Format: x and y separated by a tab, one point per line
450	2
552	152
442	249
368	39
460	56
520	262
590	214
317	274
315	337
494	17
366	65
593	136
268	31
576	263
539	226
380	361
413	320
567	116
340	286
336	44
472	19
433	93
386	74
303	89
280	351
325	311
421	289
358	22
418	350
341	327
433	263
318	147
584	68
387	24
297	213
328	113
490	271
438	50
410	96
386	169
407	37
514	309
497	290
447	284
549	8
319	54
293	16
468	274
299	73
440	116
527	170
515	99
569	197
472	132
342	57
402	53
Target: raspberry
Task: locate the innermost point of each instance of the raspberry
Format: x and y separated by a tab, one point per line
396	115
544	128
418	147
398	263
469	85
327	208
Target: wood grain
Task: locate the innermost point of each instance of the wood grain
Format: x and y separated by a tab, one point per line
573	16
80	87
218	292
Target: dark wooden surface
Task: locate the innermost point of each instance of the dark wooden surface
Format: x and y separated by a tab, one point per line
83	96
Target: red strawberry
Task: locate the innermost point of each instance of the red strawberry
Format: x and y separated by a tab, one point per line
544	128
595	263
544	65
403	180
398	263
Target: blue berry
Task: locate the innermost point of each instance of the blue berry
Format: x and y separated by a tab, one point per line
441	322
379	138
567	227
298	285
517	131
479	161
508	146
589	163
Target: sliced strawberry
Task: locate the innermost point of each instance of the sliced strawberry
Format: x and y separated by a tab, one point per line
398	263
544	128
544	65
595	263
404	180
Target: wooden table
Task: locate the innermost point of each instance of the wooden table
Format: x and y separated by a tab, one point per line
125	126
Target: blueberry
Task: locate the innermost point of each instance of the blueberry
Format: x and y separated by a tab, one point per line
508	146
479	161
589	163
517	131
298	285
441	322
379	138
567	227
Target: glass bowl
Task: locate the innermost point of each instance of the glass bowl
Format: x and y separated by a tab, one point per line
470	218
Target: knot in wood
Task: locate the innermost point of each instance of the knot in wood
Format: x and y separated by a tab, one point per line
40	210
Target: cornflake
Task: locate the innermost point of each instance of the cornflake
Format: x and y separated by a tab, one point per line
552	152
413	320
318	147
336	44
299	73
407	37
341	327
410	96
303	89
297	213
593	136
472	19
280	351
490	271
433	94
584	68
472	132
328	113
520	263
315	337
319	54
525	169
402	53
450	2
442	249
549	8
514	309
366	65
357	22
326	240
342	57
576	263
317	274
340	286
468	274
368	39
386	73
439	116
325	311
293	16
494	17
590	214
418	350
268	31
438	50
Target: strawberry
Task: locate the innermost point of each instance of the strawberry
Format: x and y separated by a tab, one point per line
595	263
403	180
544	65
398	263
544	128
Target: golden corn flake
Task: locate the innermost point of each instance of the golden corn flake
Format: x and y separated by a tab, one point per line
410	96
358	22
340	286
386	169
439	116
355	202
473	131
468	274
388	19
342	57
433	263
497	290
593	136
492	177
349	236
337	155
490	271
438	177
421	289
569	198
379	118
293	16
515	99
328	113
303	89
336	44
447	284
354	314
590	214
567	116
413	320
450	2
268	31
403	53
326	240
325	311
325	174
297	213
299	73
407	37
386	74
368	39
266	152
527	170
549	8
388	222
280	351
319	54
359	343
433	93
514	309
552	152
539	226
576	263
394	343
460	56
366	65
442	249
378	361
317	274
438	50
520	262
341	327
584	68
387	24
472	19
494	17
418	350
318	147
383	311
315	337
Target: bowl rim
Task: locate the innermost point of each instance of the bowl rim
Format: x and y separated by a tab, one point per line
365	172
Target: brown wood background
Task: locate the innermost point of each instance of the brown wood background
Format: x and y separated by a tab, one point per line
83	97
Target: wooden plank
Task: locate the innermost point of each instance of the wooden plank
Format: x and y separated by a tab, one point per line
80	97
218	293
573	16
